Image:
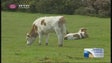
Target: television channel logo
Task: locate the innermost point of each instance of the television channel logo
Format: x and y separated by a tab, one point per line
12	6
18	6
93	52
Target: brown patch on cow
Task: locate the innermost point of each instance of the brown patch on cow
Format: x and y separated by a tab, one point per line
83	30
33	32
43	22
61	21
76	35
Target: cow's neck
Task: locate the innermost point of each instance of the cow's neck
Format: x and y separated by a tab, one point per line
33	32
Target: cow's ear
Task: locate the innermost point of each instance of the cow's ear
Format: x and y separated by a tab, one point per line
85	30
28	35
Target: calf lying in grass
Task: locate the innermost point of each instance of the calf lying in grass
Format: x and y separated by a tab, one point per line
82	33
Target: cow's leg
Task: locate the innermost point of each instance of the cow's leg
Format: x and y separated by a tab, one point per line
40	38
47	37
60	37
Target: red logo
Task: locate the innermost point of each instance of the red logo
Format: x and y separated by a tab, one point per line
12	6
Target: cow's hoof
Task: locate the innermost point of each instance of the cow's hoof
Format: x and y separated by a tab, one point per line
60	45
46	44
39	44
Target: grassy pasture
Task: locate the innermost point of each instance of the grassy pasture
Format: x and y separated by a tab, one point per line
15	25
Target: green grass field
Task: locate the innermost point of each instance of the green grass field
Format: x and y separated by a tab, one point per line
15	25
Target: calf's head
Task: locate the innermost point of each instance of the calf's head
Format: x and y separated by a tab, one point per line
84	32
31	36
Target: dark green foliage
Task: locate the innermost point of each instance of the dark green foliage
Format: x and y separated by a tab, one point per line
84	7
99	8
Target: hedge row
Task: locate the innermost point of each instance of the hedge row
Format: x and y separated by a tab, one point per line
84	7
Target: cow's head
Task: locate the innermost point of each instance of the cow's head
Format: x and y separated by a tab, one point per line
30	37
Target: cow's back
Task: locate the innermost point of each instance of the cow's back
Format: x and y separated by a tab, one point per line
49	23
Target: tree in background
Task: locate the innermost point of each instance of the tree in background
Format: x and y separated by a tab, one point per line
95	7
84	7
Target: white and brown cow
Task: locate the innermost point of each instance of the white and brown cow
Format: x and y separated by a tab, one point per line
82	33
45	25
